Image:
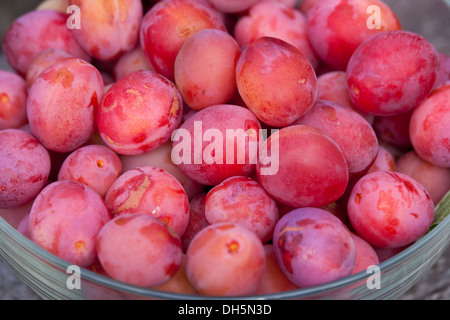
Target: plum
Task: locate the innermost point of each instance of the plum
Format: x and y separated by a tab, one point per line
223	252
108	28
63	102
13	100
276	81
313	247
24	167
65	220
153	254
389	209
312	170
35	31
168	24
152	191
139	113
205	68
94	165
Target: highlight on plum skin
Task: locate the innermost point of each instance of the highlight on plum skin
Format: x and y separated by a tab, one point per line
153	191
376	89
429	127
389	209
243	200
209	160
278	20
225	259
354	135
205	68
312	170
139	113
13	100
65	220
35	31
24	168
108	29
313	247
276	81
63	102
168	24
96	166
139	249
336	28
435	179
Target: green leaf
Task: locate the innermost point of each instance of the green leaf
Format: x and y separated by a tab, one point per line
442	210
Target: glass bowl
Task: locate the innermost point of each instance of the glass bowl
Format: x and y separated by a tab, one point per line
53	278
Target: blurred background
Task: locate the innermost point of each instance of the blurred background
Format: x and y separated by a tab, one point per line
430	18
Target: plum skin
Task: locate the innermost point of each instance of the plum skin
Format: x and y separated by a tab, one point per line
152	191
168	24
94	165
429	127
65	220
63	102
217	118
109	28
24	167
312	170
389	209
375	89
35	31
276	81
242	200
154	258
313	247
13	100
354	135
204	68
139	113
225	259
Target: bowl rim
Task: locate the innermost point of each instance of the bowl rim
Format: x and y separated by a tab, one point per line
318	290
